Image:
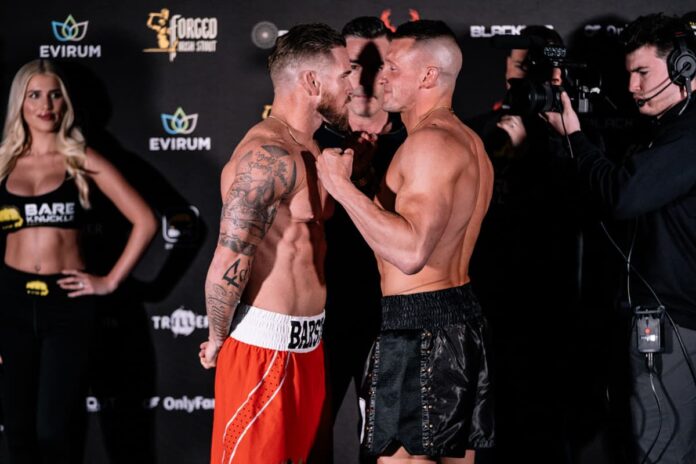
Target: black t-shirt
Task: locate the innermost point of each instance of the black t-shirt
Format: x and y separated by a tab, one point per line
351	270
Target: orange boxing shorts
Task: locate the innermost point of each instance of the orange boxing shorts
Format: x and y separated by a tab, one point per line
269	388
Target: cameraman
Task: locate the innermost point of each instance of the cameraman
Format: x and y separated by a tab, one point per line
655	192
524	267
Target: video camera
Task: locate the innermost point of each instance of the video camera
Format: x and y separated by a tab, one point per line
535	93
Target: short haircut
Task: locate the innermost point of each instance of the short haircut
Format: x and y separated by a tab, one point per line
302	42
658	30
424	29
366	27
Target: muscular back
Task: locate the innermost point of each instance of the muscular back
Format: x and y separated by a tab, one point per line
273	216
440	180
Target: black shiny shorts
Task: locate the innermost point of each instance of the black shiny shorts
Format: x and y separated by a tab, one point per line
427	384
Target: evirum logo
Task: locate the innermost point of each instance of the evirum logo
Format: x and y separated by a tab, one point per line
65	32
69	30
179	123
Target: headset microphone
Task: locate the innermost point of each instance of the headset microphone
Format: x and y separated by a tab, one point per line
642	101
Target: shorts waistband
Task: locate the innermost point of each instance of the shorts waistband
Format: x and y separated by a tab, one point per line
44	286
276	331
429	309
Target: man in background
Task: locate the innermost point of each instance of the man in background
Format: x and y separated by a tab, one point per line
352	278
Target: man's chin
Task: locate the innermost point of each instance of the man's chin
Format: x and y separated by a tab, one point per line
340	122
391	108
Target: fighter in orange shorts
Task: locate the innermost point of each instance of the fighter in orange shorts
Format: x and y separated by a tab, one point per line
269	386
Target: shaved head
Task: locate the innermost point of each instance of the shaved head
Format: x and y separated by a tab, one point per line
435	45
443	53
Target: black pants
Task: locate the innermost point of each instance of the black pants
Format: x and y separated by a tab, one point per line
44	344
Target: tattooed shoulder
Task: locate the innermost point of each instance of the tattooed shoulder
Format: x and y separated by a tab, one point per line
263	177
275	150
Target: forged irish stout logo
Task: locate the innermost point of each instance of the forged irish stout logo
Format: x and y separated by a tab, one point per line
68	33
178	34
179	123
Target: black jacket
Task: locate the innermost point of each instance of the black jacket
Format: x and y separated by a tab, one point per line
656	190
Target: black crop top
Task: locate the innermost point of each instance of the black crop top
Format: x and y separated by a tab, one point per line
58	208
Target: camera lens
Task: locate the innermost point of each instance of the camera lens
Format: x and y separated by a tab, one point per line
527	97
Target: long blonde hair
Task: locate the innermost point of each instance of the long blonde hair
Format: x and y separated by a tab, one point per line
16	138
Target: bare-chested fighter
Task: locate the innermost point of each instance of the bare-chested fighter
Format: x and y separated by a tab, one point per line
266	279
427	390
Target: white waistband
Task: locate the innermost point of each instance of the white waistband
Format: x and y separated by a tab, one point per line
276	331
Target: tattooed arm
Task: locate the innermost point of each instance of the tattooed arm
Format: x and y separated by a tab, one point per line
253	185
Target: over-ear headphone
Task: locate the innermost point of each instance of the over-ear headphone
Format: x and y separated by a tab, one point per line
681	62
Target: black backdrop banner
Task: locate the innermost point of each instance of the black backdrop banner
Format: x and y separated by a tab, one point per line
165	90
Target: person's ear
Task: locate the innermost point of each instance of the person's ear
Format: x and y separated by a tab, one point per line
310	83
429	79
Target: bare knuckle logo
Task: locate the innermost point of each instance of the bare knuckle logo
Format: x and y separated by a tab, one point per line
61	213
10	218
178	34
68	33
176	125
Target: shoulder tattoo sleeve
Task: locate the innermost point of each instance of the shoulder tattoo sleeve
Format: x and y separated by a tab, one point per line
264	176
